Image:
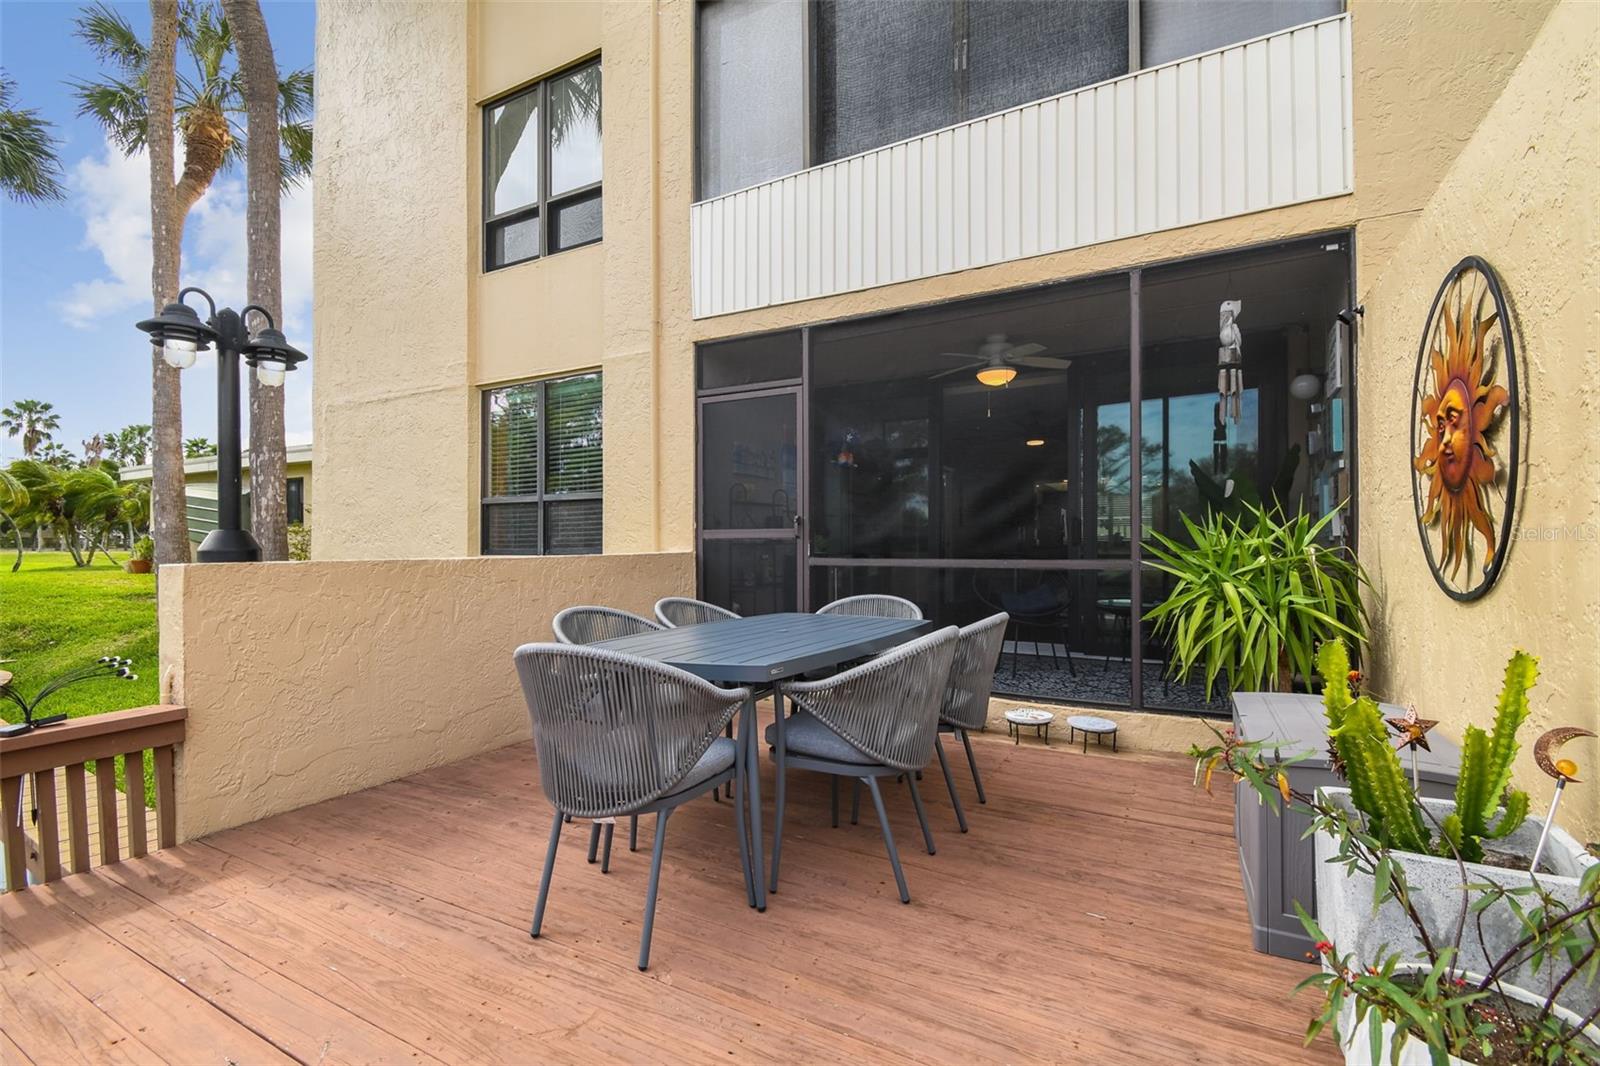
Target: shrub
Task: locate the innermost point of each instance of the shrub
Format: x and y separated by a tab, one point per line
299	541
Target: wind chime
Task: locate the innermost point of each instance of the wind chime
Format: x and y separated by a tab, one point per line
1230	362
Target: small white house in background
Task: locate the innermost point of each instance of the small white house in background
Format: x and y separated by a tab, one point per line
200	478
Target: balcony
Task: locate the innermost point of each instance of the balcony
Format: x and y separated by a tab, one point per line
1256	125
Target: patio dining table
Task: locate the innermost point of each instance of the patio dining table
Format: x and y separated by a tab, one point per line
766	650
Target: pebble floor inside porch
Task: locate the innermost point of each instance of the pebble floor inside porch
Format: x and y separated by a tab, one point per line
1093	914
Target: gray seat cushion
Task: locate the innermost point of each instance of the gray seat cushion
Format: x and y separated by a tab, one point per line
718	757
805	734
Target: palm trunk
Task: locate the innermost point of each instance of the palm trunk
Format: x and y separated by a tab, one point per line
16	531
169	518
264	179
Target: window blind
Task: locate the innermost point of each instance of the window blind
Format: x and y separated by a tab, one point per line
544	467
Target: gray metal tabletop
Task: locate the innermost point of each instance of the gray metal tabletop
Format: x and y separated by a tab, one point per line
769	647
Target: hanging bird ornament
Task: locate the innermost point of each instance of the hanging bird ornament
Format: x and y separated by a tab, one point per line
1230	360
1563	770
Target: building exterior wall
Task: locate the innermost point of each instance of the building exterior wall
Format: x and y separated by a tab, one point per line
1448	105
1522	193
315	679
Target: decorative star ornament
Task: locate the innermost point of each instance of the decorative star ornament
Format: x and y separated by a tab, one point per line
1413	731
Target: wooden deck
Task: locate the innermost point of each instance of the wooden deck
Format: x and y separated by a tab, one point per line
1092	915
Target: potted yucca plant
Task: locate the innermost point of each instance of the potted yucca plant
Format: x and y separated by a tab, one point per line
142	557
1254	595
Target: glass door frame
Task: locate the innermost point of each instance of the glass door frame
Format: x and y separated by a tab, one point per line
796	531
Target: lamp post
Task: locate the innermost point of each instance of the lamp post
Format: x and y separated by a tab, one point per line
180	335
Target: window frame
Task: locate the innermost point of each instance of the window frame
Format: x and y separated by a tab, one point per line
542	499
544	204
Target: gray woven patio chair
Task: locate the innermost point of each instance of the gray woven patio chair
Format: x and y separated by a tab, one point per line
879	719
588	625
620	735
873	606
966	698
676	611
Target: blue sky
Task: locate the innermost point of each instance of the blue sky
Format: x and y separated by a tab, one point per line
75	276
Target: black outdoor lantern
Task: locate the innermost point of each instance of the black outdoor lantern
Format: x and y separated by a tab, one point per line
181	335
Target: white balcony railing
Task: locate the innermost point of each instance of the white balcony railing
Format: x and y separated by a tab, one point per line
1255	125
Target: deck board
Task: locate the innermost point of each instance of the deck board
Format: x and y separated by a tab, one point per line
1093	914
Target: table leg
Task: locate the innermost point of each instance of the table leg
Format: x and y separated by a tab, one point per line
752	751
780	786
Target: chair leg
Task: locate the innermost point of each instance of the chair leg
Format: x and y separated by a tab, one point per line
833	781
950	783
544	879
779	799
594	842
655	883
855	801
1016	646
605	861
633	832
744	852
1073	670
922	813
972	762
888	838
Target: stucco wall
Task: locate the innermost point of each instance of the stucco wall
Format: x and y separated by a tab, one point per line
311	680
394	267
1522	193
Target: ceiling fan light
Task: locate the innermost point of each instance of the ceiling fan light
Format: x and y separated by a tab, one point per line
996	376
1034	442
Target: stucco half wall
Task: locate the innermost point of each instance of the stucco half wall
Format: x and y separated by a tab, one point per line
1523	195
306	681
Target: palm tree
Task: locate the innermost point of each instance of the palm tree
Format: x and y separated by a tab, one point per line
198	448
33	420
144	101
13	505
130	445
57	455
29	169
264	176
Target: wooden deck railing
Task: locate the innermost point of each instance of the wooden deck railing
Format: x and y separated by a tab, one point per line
32	831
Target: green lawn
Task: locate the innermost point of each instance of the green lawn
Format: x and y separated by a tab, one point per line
55	616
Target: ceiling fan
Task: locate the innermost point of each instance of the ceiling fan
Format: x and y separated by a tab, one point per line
997	359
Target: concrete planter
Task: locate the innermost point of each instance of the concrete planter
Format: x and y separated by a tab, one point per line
1345	912
1357	1047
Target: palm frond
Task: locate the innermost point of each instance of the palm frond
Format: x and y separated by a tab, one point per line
120	108
296	96
30	170
112	39
296	154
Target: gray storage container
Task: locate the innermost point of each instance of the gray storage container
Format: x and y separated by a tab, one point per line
1277	866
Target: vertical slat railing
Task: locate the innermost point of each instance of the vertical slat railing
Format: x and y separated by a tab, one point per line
32	800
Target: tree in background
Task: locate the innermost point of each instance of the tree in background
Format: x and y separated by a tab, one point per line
14	501
30	172
265	176
143	103
198	448
57	455
128	446
32	420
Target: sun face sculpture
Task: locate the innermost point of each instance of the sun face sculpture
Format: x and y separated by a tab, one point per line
1460	491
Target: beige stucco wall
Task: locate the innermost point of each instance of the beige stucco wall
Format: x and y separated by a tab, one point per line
1522	193
310	680
394	266
399	242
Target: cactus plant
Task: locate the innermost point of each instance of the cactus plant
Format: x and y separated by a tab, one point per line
1380	788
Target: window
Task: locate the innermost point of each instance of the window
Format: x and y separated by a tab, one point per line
542	168
542	468
295	498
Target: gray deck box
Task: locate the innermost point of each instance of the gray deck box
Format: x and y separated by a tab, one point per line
1277	865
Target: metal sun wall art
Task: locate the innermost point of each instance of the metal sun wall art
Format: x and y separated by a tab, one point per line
1465	431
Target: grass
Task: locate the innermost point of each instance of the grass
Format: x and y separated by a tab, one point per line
55	616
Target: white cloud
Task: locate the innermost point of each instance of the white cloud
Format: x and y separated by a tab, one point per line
110	193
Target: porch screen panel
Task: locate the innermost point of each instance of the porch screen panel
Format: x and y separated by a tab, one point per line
1024	50
884	72
751	110
1172	29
